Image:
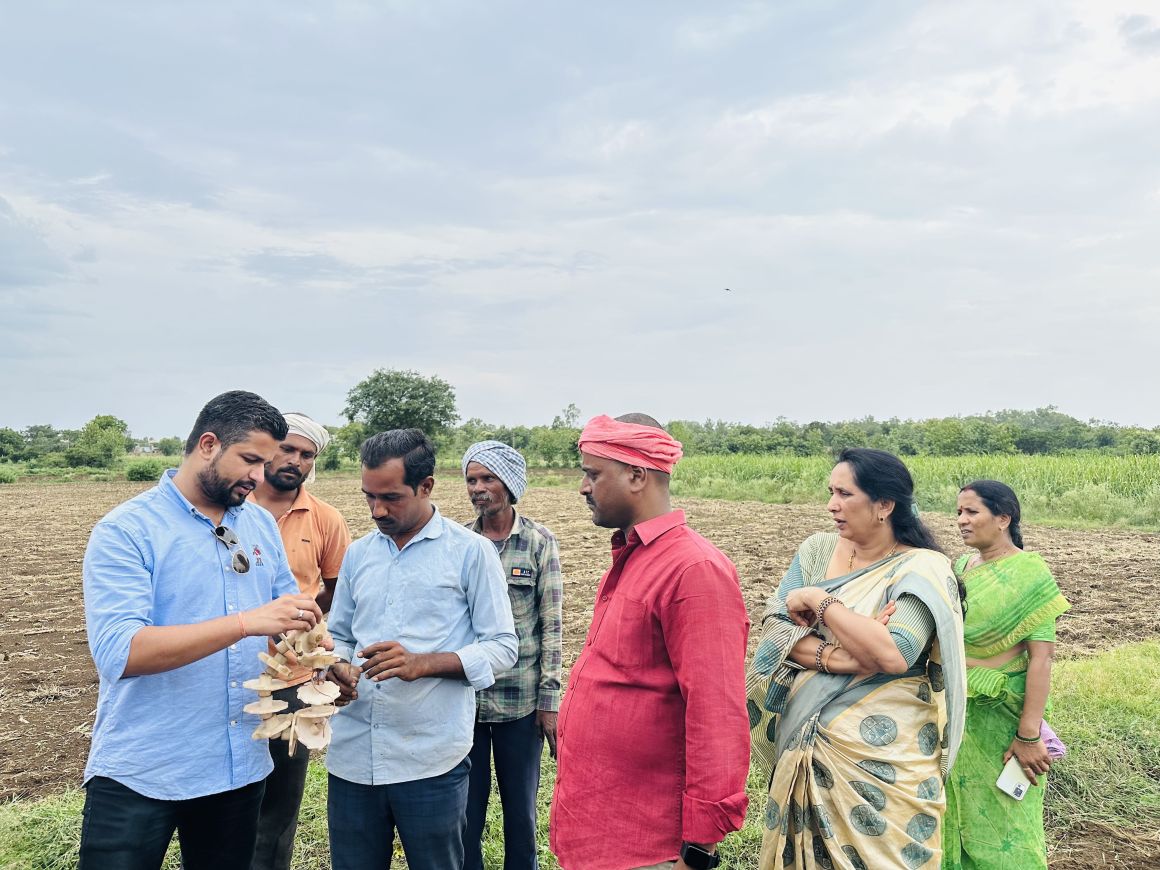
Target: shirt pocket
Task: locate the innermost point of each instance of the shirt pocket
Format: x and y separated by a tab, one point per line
432	609
522	594
633	638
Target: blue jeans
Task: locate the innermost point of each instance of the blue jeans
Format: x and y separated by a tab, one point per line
518	747
125	830
429	814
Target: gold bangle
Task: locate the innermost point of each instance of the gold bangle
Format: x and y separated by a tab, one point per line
818	663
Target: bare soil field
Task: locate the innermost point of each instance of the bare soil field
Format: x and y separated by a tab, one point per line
48	687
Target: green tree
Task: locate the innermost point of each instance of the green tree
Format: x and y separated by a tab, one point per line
11	445
170	446
102	443
42	439
394	399
348	438
569	418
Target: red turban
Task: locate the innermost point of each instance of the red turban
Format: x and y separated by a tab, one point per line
630	443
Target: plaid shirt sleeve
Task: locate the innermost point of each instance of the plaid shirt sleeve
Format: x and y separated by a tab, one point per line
550	595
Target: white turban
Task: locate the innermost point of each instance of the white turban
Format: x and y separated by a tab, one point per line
300	424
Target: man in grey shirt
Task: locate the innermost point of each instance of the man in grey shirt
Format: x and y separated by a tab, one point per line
423	603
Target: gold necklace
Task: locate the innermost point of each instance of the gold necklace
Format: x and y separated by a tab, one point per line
854	552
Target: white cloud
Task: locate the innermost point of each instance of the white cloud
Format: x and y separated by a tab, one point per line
546	208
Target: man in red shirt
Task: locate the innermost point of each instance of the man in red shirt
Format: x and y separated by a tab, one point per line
653	734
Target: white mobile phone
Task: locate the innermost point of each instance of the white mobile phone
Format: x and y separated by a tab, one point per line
1013	780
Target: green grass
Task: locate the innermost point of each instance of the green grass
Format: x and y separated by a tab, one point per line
1079	490
1107	709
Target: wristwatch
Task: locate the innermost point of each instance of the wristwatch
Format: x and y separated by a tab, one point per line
698	858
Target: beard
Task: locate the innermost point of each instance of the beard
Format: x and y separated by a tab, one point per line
285	479
221	491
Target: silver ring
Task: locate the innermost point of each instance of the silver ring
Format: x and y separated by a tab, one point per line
301	613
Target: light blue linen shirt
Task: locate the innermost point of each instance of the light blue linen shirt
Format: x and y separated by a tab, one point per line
444	591
154	560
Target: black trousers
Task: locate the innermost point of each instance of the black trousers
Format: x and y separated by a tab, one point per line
124	830
517	747
278	820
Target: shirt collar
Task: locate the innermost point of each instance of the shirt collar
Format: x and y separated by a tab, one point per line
517	525
303	501
648	531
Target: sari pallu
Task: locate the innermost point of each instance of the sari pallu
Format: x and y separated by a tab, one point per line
858	763
986	829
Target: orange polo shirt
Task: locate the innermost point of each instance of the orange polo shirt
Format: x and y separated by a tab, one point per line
315	537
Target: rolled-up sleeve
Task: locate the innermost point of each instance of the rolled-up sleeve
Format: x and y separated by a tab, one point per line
496	646
118	592
706	628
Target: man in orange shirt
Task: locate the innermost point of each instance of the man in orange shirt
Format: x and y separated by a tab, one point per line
315	537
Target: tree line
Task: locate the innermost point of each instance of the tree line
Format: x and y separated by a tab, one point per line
392	398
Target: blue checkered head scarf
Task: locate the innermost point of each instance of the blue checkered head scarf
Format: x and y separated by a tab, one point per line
503	461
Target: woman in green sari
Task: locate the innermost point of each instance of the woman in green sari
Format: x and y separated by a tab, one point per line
1010	638
857	688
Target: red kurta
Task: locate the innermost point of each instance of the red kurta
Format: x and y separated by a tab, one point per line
653	731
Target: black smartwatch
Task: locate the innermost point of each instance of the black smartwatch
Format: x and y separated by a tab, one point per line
698	858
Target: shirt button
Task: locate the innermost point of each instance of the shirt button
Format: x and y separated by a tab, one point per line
233	684
233	646
233	722
603	597
229	607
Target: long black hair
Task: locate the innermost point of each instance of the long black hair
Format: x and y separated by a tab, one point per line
1000	500
883	475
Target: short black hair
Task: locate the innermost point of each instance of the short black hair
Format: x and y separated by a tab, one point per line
640	420
410	445
233	416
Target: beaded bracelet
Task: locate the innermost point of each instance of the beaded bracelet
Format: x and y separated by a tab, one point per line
826	602
818	665
1022	739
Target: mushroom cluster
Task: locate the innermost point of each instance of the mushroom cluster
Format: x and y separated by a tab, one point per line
309	726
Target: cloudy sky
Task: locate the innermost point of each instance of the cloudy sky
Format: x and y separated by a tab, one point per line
918	209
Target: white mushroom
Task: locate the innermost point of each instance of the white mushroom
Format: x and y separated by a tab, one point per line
265	706
265	684
272	726
275	664
317	659
313	733
320	712
317	693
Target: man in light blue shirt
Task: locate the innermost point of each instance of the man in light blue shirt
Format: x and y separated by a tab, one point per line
183	584
423	603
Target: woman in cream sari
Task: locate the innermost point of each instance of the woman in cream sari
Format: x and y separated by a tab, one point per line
856	692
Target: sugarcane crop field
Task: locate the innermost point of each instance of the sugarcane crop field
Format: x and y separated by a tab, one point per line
1104	798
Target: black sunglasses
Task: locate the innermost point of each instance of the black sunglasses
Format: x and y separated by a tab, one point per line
240	561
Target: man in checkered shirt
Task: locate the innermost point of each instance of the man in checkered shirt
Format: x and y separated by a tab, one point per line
516	715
